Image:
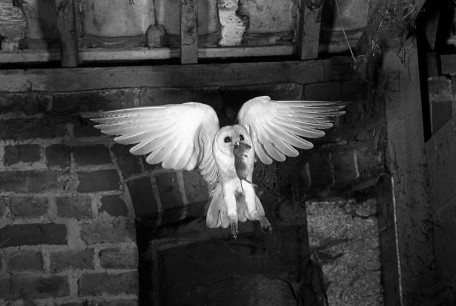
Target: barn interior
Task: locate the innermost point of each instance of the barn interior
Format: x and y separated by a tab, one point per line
366	217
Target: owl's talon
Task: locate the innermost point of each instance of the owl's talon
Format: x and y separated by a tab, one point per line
234	228
265	225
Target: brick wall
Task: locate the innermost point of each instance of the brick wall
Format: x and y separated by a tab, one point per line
69	195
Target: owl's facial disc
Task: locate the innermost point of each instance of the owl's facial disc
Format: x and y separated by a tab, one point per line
226	139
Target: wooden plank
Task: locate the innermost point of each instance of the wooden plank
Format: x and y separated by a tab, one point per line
379	30
247	51
442	180
29	56
189	31
308	34
233	74
139	54
405	153
67	18
433	65
388	240
448	63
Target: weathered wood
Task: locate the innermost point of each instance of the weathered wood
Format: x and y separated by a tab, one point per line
441	159
68	32
387	21
448	63
388	241
140	54
29	56
137	54
433	65
189	31
247	51
406	162
308	34
234	74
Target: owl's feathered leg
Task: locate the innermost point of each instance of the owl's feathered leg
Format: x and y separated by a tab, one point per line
229	196
249	192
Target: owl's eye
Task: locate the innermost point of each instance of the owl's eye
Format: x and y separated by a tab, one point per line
227	139
241	137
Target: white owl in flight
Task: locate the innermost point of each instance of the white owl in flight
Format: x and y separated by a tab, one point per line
187	136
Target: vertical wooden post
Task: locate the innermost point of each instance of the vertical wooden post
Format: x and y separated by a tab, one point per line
308	34
406	163
189	31
67	19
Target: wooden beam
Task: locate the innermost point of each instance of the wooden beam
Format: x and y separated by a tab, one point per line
442	180
141	54
388	242
387	21
448	63
308	34
233	74
189	31
67	18
405	160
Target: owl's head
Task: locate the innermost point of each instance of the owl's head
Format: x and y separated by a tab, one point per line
225	140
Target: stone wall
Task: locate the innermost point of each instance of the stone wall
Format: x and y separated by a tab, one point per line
69	196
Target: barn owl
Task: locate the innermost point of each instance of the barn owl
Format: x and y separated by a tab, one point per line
187	136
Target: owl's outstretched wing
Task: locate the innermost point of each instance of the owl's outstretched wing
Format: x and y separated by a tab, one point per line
179	136
277	127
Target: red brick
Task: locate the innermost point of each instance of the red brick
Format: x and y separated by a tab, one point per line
195	187
74	207
91	155
344	165
98	283
22	129
102	303
74	260
114	206
31	181
234	97
29	287
27	103
142	196
5	288
119	258
320	171
353	91
22	153
101	180
58	155
323	91
3	204
28	206
161	96
128	163
75	102
102	232
33	234
168	190
121	303
84	128
24	260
